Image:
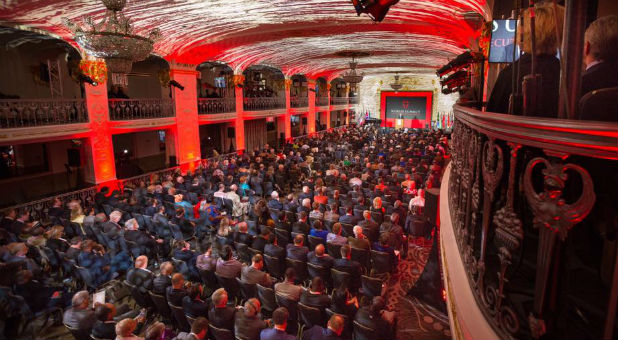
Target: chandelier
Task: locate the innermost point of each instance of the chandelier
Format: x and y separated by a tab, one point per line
396	85
114	39
351	76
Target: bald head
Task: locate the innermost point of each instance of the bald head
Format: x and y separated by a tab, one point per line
319	250
335	324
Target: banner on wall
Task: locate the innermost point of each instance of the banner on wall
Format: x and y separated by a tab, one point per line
406	107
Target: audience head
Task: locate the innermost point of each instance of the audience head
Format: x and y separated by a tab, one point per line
302	216
346	251
299	239
335	324
280	317
105	311
177	281
155	331
358	231
81	300
141	262
226	253
257	261
367	215
307	203
316	206
317	224
290	274
115	216
252	307
337	228
125	327
545	30
274	195
167	268
200	327
601	40
317	285
131	224
319	250
219	298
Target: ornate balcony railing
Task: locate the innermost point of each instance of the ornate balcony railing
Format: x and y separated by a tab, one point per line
321	101
263	103
299	102
216	105
533	208
338	100
16	113
353	100
143	108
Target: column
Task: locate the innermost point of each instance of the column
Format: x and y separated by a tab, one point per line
311	111
187	130
99	148
239	123
287	118
328	125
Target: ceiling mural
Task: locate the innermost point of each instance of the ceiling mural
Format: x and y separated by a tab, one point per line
296	36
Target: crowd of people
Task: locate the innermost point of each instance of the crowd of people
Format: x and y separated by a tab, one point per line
271	244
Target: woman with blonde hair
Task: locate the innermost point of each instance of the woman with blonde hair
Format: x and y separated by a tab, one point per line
55	240
548	27
377	210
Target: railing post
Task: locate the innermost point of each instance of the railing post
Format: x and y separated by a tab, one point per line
287	118
572	47
101	166
185	105
311	109
329	106
239	123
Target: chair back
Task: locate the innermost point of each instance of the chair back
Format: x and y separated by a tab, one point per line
599	105
323	272
348	229
314	241
253	252
84	275
299	267
190	319
230	284
339	277
247	290
371	286
290	305
381	262
160	302
360	255
273	266
243	252
310	316
77	333
362	332
180	317
208	278
220	333
333	250
266	296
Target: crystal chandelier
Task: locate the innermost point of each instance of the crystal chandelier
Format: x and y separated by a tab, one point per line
351	76
396	85
114	40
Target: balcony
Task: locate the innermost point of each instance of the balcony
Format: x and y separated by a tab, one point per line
18	113
321	101
353	100
338	100
296	102
144	108
263	103
216	105
526	210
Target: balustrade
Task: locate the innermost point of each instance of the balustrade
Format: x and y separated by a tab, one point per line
353	100
532	203
321	101
16	113
299	102
216	105
338	100
143	108
263	103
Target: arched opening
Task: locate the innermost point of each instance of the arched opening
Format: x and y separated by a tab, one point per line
298	91
264	88
321	92
338	92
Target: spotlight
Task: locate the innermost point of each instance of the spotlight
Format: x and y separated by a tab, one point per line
85	79
125	151
176	84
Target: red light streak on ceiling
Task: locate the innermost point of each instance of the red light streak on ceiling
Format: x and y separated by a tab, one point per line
296	36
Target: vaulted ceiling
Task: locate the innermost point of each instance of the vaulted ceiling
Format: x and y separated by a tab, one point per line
296	36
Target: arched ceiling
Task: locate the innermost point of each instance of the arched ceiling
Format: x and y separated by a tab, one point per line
296	36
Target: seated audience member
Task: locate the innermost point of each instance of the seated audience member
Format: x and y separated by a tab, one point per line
346	264
316	295
55	240
242	235
125	329
332	331
192	304
260	242
371	227
316	213
253	274
349	217
176	292
601	55
297	251
141	276
227	266
343	302
287	288
184	253
164	279
280	319
376	317
157	331
333	214
321	198
359	240
105	326
320	258
335	237
274	203
318	230
383	246
301	226
206	261
199	330
394	230
80	316
248	323
37	295
220	314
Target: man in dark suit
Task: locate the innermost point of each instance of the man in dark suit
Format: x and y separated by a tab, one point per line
297	251
301	226
320	258
306	194
601	55
370	227
141	278
163	280
331	332
305	206
260	242
105	326
176	292
280	319
248	322
349	217
146	243
221	315
80	315
227	266
346	264
242	235
359	240
274	203
192	304
273	249
253	274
